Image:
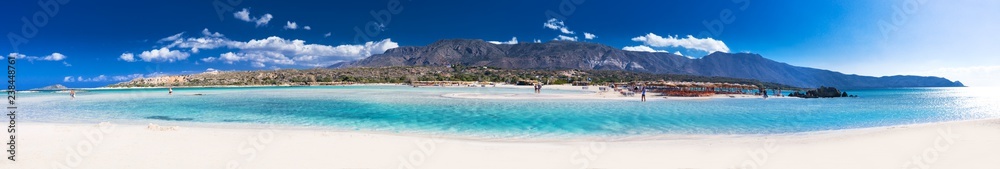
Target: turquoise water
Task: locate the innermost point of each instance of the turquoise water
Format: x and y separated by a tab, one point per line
424	110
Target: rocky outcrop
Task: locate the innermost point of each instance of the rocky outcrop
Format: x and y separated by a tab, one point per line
821	92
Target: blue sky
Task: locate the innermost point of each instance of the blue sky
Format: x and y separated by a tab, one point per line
95	43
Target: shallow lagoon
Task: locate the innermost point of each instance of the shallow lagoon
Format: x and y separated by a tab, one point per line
387	108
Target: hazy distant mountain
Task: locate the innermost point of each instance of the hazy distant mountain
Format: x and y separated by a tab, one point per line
52	87
586	56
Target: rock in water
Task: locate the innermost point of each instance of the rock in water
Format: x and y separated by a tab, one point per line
821	92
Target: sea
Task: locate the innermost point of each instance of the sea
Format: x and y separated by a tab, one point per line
425	110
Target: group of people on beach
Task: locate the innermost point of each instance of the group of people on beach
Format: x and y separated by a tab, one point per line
538	88
634	89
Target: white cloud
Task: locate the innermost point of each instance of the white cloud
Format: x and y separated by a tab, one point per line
161	55
264	19
556	24
565	38
172	38
279	51
99	78
244	15
103	78
642	48
291	25
328	34
708	44
208	59
511	42
678	53
589	35
16	55
207	33
126	77
128	57
54	57
51	57
307	28
67	64
538	41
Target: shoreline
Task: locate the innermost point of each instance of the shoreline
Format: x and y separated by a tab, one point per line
970	144
593	93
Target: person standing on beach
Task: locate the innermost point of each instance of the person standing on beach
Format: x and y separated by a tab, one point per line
643	93
72	94
170	91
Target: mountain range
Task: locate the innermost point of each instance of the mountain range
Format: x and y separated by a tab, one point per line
593	56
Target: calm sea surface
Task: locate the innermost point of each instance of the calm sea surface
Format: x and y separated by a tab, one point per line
424	110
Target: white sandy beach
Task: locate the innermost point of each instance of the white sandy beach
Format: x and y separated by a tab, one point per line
967	145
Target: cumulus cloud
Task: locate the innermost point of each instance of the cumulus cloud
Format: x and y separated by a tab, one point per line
161	55
510	42
291	25
278	51
556	24
128	57
67	64
207	33
538	41
54	57
565	38
51	57
307	28
328	34
244	15
642	48
589	35
707	44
